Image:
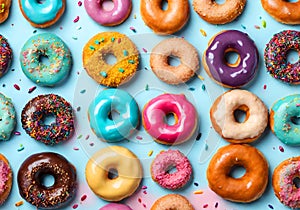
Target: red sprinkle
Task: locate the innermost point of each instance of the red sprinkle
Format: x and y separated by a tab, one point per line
139	138
79	3
144	187
205	206
17	133
83	197
256	26
76	148
265	87
216	205
132	28
31	89
17	86
76	19
281	149
87	137
75	206
145	50
144	205
139	200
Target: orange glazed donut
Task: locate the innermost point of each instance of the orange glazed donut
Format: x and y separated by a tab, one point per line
283	11
215	13
245	189
172	201
165	21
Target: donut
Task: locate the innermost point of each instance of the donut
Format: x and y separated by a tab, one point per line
158	108
275	56
42	15
178	47
110	43
226	74
5	179
4	10
119	161
281	119
116	16
214	13
6	55
115	206
245	189
283	182
163	162
38	108
172	201
101	108
32	188
7	117
166	21
55	50
283	11
225	124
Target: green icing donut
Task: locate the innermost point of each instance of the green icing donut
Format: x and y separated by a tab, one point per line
7	117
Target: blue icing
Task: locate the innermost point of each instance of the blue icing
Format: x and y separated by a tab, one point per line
41	12
284	110
113	130
7	117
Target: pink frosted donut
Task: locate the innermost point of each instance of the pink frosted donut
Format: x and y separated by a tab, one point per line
185	115
163	162
116	16
115	206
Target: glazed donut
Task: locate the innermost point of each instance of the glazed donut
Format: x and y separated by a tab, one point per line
163	162
113	130
116	16
226	74
215	13
5	179
225	124
42	15
189	60
165	21
275	56
281	119
185	114
4	11
5	56
115	206
50	46
42	106
7	117
121	47
114	158
245	189
283	182
283	11
172	201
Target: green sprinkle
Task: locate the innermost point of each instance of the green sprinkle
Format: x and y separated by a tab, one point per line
97	42
102	39
121	70
203	87
113	39
147	87
264	23
92	47
131	61
206	147
103	74
83	91
125	52
79	137
244	27
21	148
74	37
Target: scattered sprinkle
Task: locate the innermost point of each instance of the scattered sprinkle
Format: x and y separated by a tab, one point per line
132	29
79	137
78	28
144	205
270	206
34	31
79	3
83	197
139	200
196	184
19	203
103	74
206	147
191	89
78	109
150	153
147	87
17	133
281	149
87	137
216	205
139	138
264	23
75	206
244	27
198	136
144	187
201	78
198	192
83	91
76	19
31	89
205	206
61	28
75	148
265	87
121	70
203	32
21	148
145	50
74	37
256	26
17	87
92	144
134	16
203	87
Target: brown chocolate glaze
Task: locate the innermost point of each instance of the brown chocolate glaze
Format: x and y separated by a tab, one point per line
33	191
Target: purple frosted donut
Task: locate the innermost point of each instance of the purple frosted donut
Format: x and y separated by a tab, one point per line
5	55
115	206
231	75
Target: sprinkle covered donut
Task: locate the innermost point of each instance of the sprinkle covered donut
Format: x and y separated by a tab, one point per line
5	9
7	117
42	106
6	55
172	201
276	56
6	177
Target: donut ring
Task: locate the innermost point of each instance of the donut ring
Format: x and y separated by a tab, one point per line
47	163
179	47
121	47
129	173
215	13
162	163
245	189
41	106
4	10
275	56
223	120
5	56
172	201
168	21
282	182
115	206
7	117
5	179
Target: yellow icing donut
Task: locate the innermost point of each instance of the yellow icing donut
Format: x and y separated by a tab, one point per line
117	44
118	159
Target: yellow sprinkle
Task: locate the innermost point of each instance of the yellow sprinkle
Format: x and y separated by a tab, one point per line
150	153
198	192
19	203
200	77
203	32
134	16
264	23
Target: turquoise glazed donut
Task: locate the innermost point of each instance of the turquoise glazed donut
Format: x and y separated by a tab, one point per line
7	117
122	126
50	46
282	114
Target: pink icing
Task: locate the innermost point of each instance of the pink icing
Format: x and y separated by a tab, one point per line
113	17
4	172
156	110
163	162
115	206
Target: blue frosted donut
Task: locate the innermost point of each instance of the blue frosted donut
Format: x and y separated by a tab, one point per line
7	117
52	47
281	119
101	122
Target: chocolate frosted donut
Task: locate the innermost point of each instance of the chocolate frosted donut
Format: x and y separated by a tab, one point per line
30	183
6	55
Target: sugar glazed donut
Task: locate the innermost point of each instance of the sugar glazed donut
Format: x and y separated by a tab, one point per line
245	189
283	11
6	55
7	117
32	189
225	124
4	10
214	13
115	206
282	114
172	201
166	21
116	16
283	182
42	106
5	179
178	47
105	43
226	74
276	56
117	161
42	15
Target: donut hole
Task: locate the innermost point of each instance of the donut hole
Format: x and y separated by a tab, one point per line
107	5
113	115
46	180
110	59
240	115
170	119
292	56
237	171
48	119
295	120
171	169
220	1
44	59
232	58
296	182
113	173
164	5
173	61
